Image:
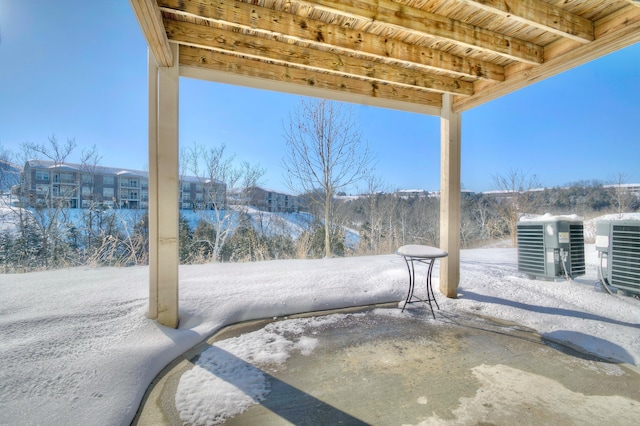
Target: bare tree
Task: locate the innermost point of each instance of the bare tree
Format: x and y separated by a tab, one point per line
516	197
623	200
92	213
50	217
325	153
9	172
381	229
54	150
218	176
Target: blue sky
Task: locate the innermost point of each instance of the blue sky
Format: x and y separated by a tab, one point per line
77	69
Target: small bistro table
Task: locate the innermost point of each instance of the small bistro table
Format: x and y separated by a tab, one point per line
414	253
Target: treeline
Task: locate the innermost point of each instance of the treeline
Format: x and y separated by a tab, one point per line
55	237
386	221
51	238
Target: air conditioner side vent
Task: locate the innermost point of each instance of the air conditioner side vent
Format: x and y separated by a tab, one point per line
531	249
577	262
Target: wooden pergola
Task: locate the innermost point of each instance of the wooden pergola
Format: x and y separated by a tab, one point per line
435	57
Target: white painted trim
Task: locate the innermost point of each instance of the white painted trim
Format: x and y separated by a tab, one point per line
153	185
450	143
167	193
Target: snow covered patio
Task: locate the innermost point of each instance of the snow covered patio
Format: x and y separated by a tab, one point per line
384	367
78	348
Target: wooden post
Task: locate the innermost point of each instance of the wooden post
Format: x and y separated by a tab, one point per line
163	195
153	185
450	146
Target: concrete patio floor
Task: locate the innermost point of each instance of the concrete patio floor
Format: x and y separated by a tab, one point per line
389	369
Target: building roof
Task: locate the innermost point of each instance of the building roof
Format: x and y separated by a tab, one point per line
403	54
87	168
106	170
275	191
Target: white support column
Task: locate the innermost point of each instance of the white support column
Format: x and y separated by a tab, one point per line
450	146
153	185
163	195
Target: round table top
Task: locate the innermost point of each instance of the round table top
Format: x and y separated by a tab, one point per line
420	251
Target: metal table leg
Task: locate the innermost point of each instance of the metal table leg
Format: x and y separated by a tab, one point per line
412	280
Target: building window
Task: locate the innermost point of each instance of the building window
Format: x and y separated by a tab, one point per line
87	178
64	177
107	180
186	186
42	175
186	205
107	192
42	189
86	191
131	183
86	204
68	191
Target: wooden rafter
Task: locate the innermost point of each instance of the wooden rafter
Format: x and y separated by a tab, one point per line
614	32
421	22
311	59
293	27
208	59
150	20
476	50
541	15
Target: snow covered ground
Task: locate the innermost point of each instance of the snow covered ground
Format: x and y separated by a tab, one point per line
77	348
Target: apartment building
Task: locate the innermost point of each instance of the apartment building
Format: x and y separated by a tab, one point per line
46	183
202	194
272	201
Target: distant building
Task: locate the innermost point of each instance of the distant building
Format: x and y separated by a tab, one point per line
632	188
272	201
202	194
9	176
45	183
411	193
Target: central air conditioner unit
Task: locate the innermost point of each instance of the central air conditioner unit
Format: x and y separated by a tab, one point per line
551	247
618	246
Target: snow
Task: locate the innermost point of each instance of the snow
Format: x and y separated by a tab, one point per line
10	218
548	217
77	347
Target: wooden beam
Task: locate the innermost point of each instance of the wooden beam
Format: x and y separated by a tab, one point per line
150	20
165	186
293	27
307	58
216	61
436	26
541	15
308	90
614	32
450	187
